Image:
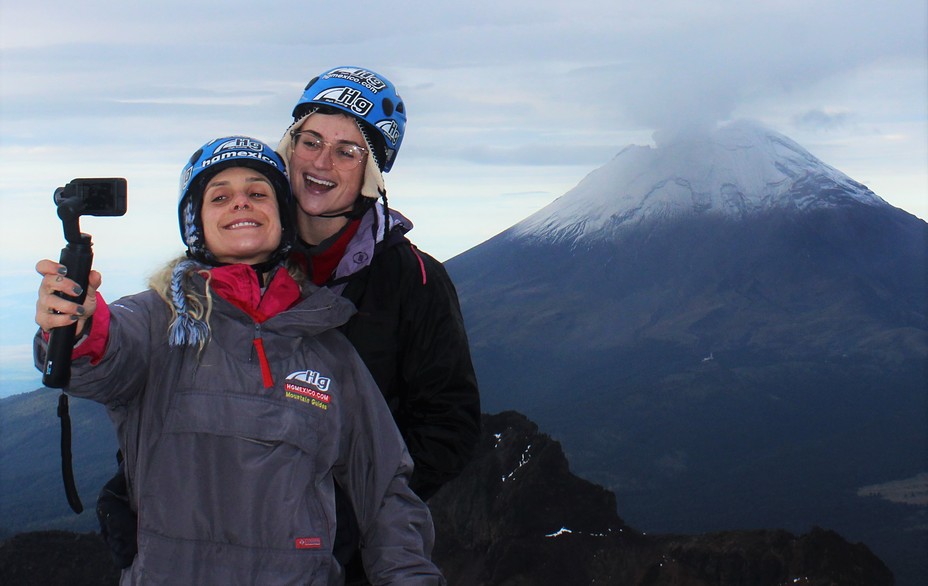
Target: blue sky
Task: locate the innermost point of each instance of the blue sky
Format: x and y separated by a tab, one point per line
510	105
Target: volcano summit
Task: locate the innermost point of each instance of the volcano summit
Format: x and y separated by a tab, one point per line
740	170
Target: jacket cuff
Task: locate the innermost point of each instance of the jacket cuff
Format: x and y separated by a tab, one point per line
93	343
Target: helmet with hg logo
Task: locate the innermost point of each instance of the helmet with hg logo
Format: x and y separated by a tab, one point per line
368	97
210	159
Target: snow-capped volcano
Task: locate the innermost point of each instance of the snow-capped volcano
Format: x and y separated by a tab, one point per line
738	169
724	331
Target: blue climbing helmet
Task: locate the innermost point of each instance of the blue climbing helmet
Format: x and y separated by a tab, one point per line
368	97
210	159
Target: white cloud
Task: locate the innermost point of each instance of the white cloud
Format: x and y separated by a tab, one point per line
504	98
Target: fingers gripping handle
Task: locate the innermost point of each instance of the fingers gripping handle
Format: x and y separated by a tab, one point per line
78	258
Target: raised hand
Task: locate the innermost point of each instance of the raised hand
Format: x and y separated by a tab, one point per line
53	311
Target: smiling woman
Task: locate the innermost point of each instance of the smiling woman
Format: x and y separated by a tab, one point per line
235	204
326	181
241	222
231	372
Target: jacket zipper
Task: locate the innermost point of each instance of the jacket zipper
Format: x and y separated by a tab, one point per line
262	358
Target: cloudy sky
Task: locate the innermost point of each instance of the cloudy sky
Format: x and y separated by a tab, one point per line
510	105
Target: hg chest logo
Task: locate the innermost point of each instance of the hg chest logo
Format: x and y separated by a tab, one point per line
311	377
309	386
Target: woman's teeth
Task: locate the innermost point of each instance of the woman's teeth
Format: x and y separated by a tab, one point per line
311	179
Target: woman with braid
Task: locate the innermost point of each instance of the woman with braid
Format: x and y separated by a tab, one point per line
237	401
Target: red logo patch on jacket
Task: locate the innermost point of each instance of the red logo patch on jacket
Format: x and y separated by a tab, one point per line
308	543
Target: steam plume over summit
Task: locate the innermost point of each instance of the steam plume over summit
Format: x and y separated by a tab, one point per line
736	170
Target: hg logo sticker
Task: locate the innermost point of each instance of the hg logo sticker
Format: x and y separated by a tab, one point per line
346	97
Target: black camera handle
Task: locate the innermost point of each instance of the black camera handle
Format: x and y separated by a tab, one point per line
77	257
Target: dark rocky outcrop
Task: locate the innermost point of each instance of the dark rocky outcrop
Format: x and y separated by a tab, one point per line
56	558
517	516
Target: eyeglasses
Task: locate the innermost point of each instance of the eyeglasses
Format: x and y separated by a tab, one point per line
345	155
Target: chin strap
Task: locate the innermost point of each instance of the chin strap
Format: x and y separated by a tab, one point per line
263	271
349	214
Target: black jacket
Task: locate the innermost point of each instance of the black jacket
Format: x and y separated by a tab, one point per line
410	333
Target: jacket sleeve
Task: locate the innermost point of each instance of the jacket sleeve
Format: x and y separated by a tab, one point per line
374	467
110	366
439	411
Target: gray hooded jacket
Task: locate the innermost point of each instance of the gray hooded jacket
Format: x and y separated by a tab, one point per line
233	480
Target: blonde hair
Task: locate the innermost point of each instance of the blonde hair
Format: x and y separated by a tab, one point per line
190	310
173	284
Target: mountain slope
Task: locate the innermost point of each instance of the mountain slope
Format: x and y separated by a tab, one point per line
718	363
31	489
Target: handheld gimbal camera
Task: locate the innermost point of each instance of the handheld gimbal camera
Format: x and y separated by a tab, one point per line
80	197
